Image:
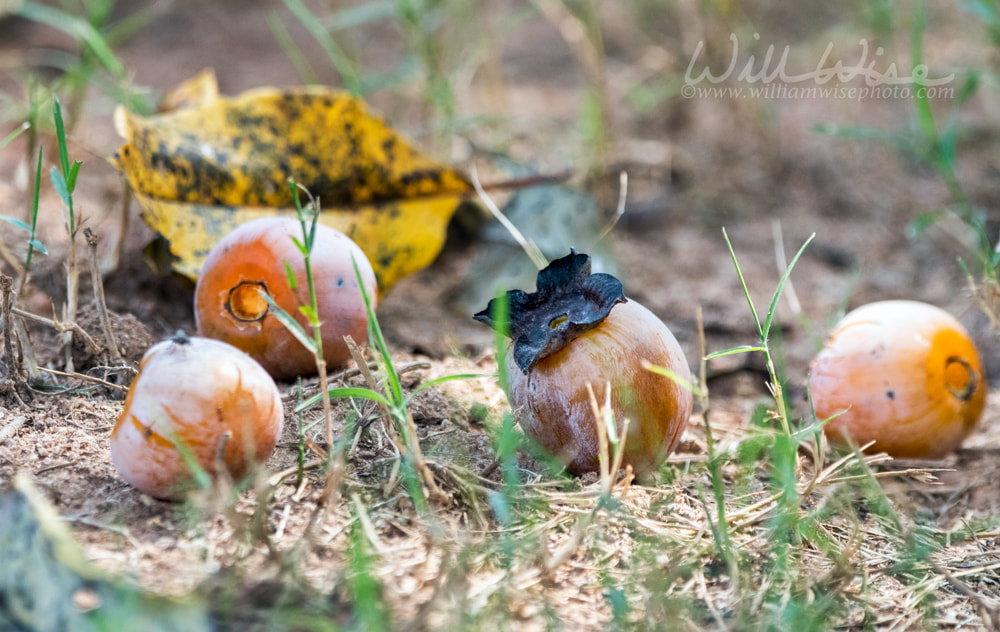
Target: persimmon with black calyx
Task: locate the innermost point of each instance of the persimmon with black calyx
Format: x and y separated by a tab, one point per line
196	403
255	259
903	374
578	329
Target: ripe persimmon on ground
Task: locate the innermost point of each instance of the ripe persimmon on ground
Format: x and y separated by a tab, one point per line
752	523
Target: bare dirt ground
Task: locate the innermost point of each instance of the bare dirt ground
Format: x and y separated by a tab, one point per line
695	165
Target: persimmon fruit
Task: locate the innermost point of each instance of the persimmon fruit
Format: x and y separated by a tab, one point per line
250	261
189	393
578	329
903	374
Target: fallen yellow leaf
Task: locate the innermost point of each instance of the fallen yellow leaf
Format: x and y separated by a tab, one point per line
200	172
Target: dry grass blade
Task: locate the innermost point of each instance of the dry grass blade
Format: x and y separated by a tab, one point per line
529	247
990	612
395	425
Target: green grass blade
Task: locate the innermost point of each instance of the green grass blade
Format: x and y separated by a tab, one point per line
781	287
34	244
291	49
351	17
60	134
290	324
925	115
375	332
733	351
666	372
445	378
898	141
77	28
341	62
342	393
370	609
746	290
17	132
500	338
74	171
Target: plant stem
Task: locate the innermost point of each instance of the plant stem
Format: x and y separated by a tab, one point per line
72	298
102	308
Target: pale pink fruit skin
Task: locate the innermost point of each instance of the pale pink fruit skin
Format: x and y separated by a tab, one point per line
553	406
257	251
196	391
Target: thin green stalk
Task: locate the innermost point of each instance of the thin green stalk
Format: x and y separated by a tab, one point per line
764	329
64	182
32	242
312	310
349	70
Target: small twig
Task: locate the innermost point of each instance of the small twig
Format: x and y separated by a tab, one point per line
528	181
122	531
365	370
989	612
72	296
10	429
97	282
56	466
15	370
6	300
123	225
84	378
277	477
619	210
221	476
60	327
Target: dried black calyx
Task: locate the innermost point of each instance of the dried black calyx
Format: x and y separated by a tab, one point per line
567	302
180	338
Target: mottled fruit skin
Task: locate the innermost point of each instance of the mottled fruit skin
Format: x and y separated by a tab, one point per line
907	375
554	409
191	391
254	256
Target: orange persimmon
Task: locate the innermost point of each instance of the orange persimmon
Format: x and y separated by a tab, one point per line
189	393
903	374
579	329
252	259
